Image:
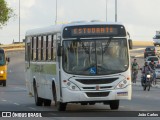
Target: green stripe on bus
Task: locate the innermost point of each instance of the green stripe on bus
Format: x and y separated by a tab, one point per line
44	68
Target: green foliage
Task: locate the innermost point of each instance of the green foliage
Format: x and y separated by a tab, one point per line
5	13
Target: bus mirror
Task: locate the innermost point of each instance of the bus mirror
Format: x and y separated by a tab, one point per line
59	51
130	43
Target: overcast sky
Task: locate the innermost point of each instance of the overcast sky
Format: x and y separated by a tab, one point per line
141	17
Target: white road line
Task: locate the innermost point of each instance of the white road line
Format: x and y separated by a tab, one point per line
52	114
137	49
32	108
4	100
21	88
16	104
140	55
143	110
122	106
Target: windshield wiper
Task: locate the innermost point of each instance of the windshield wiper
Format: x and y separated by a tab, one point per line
85	49
108	43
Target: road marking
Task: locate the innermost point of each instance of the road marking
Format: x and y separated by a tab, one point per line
137	49
143	110
122	106
32	108
52	114
16	104
140	55
4	100
21	88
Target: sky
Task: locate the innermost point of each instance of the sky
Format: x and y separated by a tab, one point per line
141	17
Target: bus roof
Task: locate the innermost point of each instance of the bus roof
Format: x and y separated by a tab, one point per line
46	30
57	28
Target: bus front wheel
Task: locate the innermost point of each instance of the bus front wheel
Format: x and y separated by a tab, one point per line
114	105
59	105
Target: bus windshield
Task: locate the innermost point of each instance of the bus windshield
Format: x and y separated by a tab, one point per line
95	57
2	58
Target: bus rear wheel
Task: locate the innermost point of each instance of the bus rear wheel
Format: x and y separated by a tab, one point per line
38	101
47	102
114	105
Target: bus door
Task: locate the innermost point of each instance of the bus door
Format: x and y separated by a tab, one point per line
28	70
58	67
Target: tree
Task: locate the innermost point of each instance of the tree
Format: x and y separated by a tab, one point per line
5	13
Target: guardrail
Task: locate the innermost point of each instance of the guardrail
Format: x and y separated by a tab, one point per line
11	47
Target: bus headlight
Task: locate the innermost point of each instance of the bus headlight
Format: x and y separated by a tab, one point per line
1	72
122	84
71	86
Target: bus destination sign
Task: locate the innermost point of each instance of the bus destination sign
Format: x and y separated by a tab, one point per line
94	31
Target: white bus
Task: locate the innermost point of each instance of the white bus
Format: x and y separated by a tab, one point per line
84	63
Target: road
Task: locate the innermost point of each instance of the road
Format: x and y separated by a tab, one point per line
14	96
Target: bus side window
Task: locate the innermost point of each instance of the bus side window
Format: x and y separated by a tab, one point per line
37	45
39	48
34	48
44	47
54	48
49	46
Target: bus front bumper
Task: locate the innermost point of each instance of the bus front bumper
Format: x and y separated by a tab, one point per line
99	96
3	77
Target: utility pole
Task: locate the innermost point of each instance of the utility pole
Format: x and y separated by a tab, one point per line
56	13
115	10
19	22
106	10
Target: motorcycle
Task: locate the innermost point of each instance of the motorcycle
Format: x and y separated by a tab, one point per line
147	83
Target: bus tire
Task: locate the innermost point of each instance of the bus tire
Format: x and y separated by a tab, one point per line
54	94
61	106
114	104
4	83
47	102
38	100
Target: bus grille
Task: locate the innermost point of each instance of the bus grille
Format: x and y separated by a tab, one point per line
105	87
97	81
97	94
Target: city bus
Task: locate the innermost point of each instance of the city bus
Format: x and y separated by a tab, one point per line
3	67
83	62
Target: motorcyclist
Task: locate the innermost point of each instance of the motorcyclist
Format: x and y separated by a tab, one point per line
152	65
145	69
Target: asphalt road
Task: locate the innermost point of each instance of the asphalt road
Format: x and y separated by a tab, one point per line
14	97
